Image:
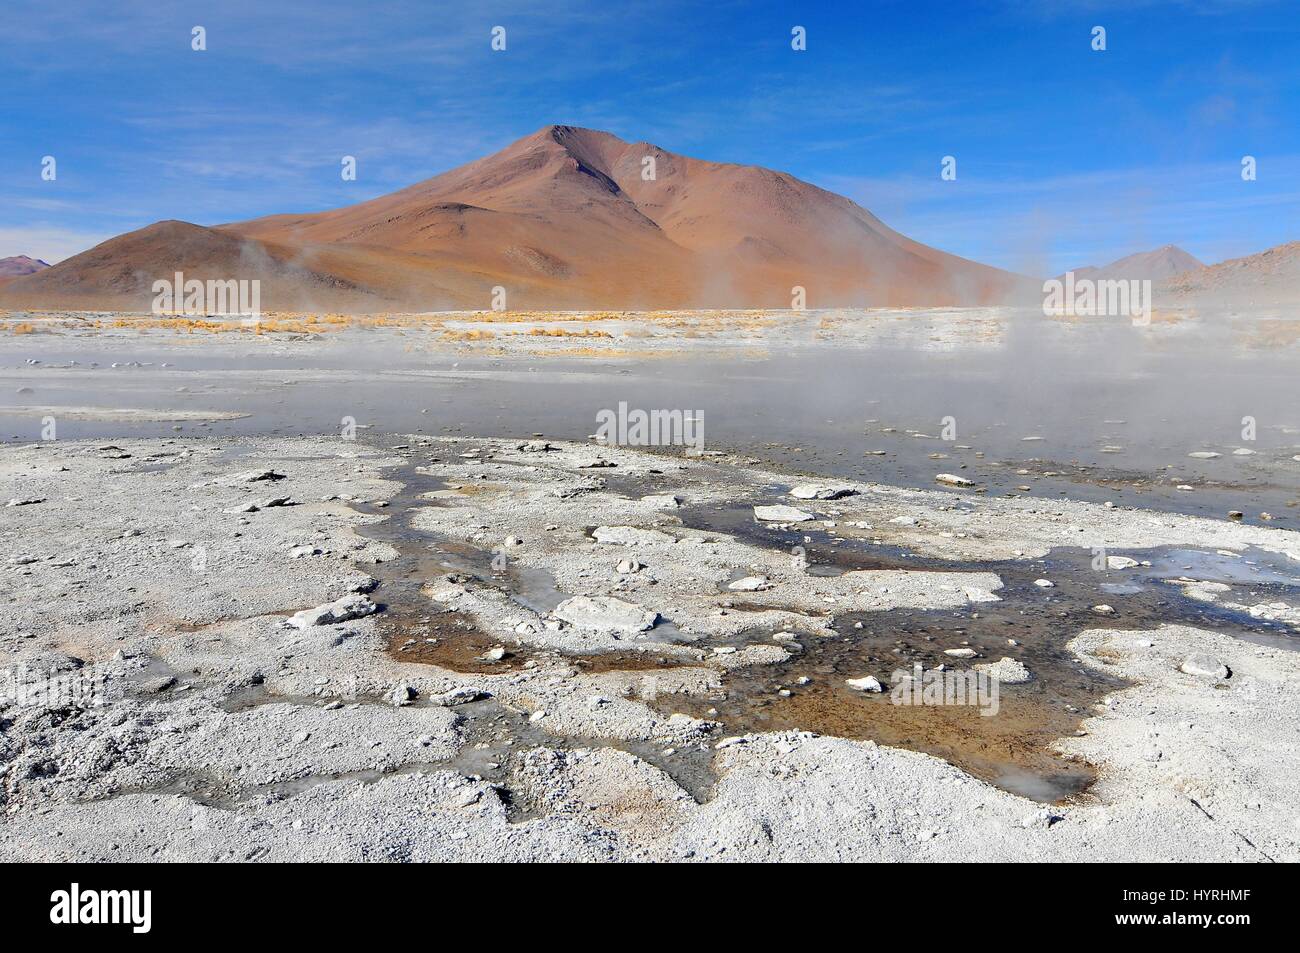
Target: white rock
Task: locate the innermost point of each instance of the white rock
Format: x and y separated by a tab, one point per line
749	584
460	696
820	491
867	683
1205	666
626	566
1120	562
1204	455
1044	583
1103	609
663	500
1008	671
964	652
401	694
749	656
352	606
606	612
782	514
952	479
253	476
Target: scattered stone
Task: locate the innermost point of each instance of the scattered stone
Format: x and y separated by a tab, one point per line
749	584
253	476
1203	666
1120	562
961	652
953	480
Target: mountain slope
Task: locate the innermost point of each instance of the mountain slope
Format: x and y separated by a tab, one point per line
561	218
1270	277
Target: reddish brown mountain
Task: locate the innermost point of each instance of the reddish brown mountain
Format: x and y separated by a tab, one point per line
564	218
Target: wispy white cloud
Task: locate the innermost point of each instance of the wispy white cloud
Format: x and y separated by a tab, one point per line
51	245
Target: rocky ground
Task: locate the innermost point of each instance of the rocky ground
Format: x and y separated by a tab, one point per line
617	334
266	688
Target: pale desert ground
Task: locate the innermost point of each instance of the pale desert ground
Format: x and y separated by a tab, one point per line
542	646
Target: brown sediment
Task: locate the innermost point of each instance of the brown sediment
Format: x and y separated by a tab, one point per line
627	662
451	641
1012	748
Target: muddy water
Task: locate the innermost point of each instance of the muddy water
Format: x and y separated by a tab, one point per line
1031	624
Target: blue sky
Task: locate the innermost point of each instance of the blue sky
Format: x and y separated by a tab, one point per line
1065	156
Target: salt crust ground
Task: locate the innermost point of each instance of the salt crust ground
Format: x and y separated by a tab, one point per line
103	570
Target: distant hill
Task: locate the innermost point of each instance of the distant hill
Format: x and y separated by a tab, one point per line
1157	265
20	265
563	218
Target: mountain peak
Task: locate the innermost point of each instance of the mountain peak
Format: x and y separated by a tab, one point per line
21	265
1158	264
565	217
